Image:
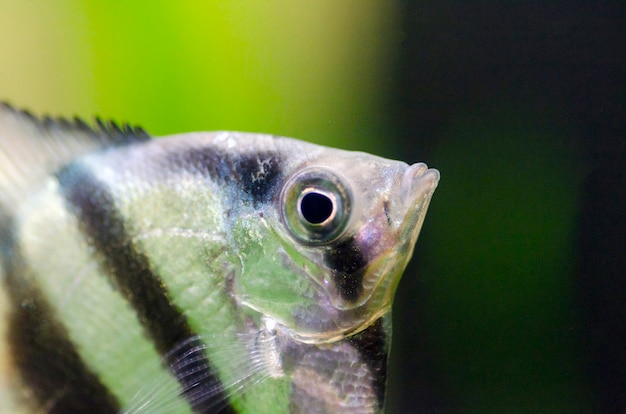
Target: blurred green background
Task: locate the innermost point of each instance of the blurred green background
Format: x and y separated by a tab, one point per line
515	299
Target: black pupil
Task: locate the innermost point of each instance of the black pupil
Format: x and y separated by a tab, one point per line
316	207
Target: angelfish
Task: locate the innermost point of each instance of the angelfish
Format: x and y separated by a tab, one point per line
197	273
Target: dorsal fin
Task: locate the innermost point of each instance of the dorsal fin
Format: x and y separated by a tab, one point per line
31	148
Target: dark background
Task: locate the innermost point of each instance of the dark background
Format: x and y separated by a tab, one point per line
520	305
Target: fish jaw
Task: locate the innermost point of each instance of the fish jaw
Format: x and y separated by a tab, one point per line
406	213
416	189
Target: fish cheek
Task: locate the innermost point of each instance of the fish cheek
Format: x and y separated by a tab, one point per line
269	282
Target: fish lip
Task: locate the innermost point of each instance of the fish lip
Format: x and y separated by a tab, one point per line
419	180
414	194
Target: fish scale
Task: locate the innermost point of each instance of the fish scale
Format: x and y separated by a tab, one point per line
197	273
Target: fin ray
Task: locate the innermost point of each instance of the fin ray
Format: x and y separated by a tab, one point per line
31	148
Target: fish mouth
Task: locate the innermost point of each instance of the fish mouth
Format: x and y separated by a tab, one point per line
414	193
406	215
413	197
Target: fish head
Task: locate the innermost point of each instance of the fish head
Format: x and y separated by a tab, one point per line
341	230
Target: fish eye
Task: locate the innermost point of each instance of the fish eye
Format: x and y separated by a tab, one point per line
316	205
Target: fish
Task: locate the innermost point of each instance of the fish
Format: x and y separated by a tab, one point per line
206	272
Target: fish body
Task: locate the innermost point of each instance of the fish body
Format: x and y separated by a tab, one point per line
197	273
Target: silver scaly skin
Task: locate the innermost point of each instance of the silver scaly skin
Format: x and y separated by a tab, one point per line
197	273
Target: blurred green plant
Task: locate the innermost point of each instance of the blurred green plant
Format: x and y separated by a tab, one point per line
315	70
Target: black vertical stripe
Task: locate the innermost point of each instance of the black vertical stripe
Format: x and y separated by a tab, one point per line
45	357
130	272
347	265
372	344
